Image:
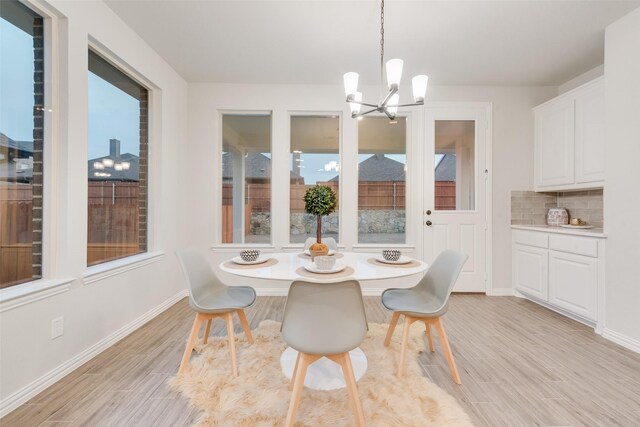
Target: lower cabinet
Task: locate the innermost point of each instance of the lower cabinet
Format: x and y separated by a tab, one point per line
530	272
563	271
573	283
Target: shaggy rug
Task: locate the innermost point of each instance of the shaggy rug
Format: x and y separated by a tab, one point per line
260	395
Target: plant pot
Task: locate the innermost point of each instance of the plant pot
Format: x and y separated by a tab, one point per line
318	253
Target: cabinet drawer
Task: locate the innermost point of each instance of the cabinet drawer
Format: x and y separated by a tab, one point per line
531	238
575	245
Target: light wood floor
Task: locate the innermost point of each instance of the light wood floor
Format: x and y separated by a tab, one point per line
521	365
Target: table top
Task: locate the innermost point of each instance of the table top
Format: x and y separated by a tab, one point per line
289	267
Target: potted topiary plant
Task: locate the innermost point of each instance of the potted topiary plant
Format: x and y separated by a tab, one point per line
319	200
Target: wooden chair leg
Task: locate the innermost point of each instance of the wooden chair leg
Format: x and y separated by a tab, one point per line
405	340
295	371
191	341
392	327
245	325
298	385
207	330
447	351
352	388
232	344
429	336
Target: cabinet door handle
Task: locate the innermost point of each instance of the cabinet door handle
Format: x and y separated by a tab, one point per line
428	212
428	223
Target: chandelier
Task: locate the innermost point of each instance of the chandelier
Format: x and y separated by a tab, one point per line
389	104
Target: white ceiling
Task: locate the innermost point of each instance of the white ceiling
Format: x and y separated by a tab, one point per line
315	42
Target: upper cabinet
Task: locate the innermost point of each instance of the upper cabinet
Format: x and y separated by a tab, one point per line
569	140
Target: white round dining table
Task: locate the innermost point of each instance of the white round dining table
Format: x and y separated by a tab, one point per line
324	374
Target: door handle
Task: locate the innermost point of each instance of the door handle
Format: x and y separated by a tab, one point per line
428	223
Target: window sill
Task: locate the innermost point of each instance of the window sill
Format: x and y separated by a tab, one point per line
29	292
113	268
236	247
368	247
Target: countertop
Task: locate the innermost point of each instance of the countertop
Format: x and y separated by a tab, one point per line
588	232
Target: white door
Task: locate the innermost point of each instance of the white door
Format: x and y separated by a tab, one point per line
590	134
454	210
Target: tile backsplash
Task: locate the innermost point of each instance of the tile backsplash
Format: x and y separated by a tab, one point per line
530	208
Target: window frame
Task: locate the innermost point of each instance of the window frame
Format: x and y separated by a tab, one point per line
218	245
152	253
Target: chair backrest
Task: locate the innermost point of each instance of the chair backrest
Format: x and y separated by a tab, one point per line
324	318
442	275
200	278
329	241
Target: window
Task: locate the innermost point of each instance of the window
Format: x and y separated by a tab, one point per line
382	170
246	178
117	164
21	143
315	160
455	165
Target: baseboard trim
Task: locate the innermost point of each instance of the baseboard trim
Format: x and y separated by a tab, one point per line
503	292
21	396
621	339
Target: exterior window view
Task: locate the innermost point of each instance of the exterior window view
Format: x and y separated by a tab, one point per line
315	160
117	165
382	170
21	143
246	178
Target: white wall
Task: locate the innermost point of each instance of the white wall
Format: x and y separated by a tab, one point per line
512	156
621	202
93	312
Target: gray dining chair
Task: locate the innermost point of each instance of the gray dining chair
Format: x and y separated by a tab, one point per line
210	298
329	241
324	320
428	301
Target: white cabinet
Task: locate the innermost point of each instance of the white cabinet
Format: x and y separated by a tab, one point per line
569	140
573	283
563	272
530	270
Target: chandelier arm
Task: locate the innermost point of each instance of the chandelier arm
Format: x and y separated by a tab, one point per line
411	105
392	91
391	116
366	104
354	115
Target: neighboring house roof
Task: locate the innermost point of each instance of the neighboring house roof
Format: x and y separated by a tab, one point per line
16	162
446	169
379	168
257	166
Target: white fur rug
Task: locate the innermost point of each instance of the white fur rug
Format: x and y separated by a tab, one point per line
260	395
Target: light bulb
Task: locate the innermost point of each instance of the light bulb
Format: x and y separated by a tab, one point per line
419	84
355	106
394	72
392	105
350	83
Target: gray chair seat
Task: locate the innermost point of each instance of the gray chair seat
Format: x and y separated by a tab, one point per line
413	303
226	299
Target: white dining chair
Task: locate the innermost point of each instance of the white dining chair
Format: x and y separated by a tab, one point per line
427	302
210	298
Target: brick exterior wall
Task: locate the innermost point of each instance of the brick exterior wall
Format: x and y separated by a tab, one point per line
144	162
38	144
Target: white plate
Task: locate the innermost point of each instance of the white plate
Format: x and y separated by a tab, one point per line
576	226
311	266
331	252
261	259
402	260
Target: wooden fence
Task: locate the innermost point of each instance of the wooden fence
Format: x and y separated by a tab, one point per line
16	233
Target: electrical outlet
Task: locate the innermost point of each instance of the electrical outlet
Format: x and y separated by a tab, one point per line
57	327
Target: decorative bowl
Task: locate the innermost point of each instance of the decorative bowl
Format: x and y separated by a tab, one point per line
324	262
249	255
557	216
391	254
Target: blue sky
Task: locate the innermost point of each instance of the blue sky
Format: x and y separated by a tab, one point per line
112	112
